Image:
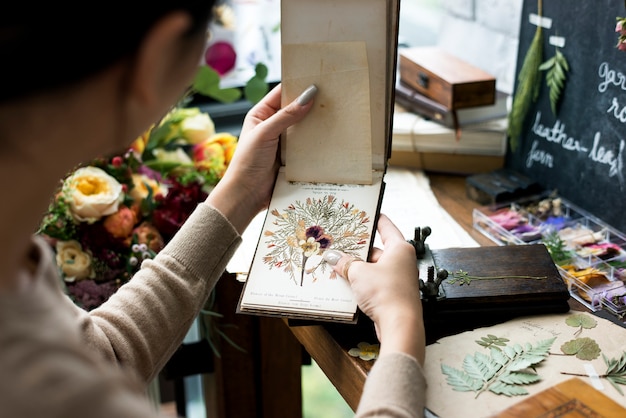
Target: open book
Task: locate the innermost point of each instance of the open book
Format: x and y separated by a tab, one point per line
329	189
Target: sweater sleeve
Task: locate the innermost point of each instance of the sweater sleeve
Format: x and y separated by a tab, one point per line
395	387
146	320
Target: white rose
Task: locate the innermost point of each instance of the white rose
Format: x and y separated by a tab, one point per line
177	156
197	128
92	193
73	261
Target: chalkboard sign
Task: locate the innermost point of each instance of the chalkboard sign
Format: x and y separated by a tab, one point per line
579	151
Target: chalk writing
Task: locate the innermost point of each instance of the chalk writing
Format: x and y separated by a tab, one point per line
610	77
540	156
602	155
599	153
557	135
619	112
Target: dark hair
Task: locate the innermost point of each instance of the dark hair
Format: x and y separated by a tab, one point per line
54	43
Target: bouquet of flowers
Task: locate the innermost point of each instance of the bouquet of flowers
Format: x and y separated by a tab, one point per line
113	212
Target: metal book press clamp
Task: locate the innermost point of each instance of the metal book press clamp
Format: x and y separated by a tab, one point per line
430	288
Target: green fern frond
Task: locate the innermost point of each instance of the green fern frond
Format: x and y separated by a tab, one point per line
556	75
527	86
492	341
503	372
501	388
520	378
460	381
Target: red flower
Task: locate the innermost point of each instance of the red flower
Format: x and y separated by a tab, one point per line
173	209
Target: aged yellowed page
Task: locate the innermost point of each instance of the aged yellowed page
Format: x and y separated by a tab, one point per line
333	144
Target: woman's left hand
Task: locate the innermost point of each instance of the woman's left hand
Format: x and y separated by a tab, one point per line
247	185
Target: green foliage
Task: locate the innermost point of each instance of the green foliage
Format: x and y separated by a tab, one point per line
616	371
582	348
207	83
167	129
556	74
503	372
491	341
58	222
257	87
527	86
557	248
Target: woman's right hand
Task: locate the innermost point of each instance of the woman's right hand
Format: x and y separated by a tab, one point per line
387	290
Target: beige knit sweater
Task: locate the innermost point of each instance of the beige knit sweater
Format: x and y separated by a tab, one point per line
57	360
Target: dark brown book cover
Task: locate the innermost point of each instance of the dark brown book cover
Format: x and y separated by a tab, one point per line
489	285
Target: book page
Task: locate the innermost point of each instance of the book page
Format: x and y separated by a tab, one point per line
375	22
333	144
288	274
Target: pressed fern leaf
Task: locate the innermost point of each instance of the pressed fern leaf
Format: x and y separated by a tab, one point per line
492	341
503	372
616	371
556	74
528	84
460	381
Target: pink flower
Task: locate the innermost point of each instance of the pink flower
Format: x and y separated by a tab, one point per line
221	56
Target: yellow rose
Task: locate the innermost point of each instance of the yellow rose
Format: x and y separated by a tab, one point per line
92	193
228	142
210	156
143	185
73	261
215	152
197	128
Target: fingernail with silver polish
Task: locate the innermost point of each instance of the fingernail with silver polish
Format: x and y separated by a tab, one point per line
307	95
332	257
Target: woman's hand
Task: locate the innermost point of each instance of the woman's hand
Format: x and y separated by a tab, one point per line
387	290
247	185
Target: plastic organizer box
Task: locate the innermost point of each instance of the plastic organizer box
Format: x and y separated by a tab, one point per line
590	255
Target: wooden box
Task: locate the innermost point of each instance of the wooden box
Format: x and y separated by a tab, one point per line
446	79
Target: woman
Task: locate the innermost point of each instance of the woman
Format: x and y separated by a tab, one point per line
81	82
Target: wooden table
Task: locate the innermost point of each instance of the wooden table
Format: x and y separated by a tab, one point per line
264	379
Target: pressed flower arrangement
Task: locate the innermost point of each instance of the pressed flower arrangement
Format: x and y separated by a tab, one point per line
113	212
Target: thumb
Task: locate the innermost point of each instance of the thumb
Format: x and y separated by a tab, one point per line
291	113
340	262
